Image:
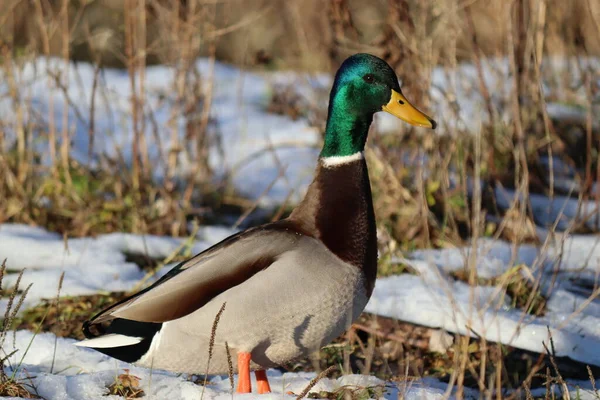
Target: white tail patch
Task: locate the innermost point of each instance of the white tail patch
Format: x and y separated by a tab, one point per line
109	341
334	161
147	358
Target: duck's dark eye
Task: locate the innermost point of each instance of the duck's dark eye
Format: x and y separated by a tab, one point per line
369	78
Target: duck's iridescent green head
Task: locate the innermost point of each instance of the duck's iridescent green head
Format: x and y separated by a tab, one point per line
364	85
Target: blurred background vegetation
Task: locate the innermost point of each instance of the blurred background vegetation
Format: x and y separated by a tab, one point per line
414	36
299	34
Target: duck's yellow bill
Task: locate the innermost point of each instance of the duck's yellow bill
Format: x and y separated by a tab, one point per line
401	108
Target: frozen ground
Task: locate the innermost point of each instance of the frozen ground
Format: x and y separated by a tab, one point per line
76	373
82	374
61	371
431	298
90	265
567	269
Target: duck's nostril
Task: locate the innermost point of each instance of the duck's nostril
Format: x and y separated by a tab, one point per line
400	102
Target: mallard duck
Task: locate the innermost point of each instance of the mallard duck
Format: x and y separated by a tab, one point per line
289	287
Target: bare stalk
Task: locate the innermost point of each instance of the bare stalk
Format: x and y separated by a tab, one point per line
130	53
65	143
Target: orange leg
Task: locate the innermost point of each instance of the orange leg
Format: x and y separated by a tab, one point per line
244	373
262	383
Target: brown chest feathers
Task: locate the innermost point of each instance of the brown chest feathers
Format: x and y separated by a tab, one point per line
338	210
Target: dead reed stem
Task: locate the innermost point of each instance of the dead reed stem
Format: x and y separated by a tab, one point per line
56	304
132	69
211	345
65	43
230	367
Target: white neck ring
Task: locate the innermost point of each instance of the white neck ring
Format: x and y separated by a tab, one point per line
334	161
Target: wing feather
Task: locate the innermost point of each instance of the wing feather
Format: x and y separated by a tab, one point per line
195	282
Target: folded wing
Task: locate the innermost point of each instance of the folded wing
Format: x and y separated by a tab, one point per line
196	281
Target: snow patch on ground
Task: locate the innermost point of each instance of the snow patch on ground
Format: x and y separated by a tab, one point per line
90	265
562	211
60	370
567	270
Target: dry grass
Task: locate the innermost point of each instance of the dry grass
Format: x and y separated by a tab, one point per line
429	191
523	293
10	384
211	346
323	374
85	199
296	33
126	386
350	393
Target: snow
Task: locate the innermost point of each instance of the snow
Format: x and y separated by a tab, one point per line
90	265
433	298
58	370
560	211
